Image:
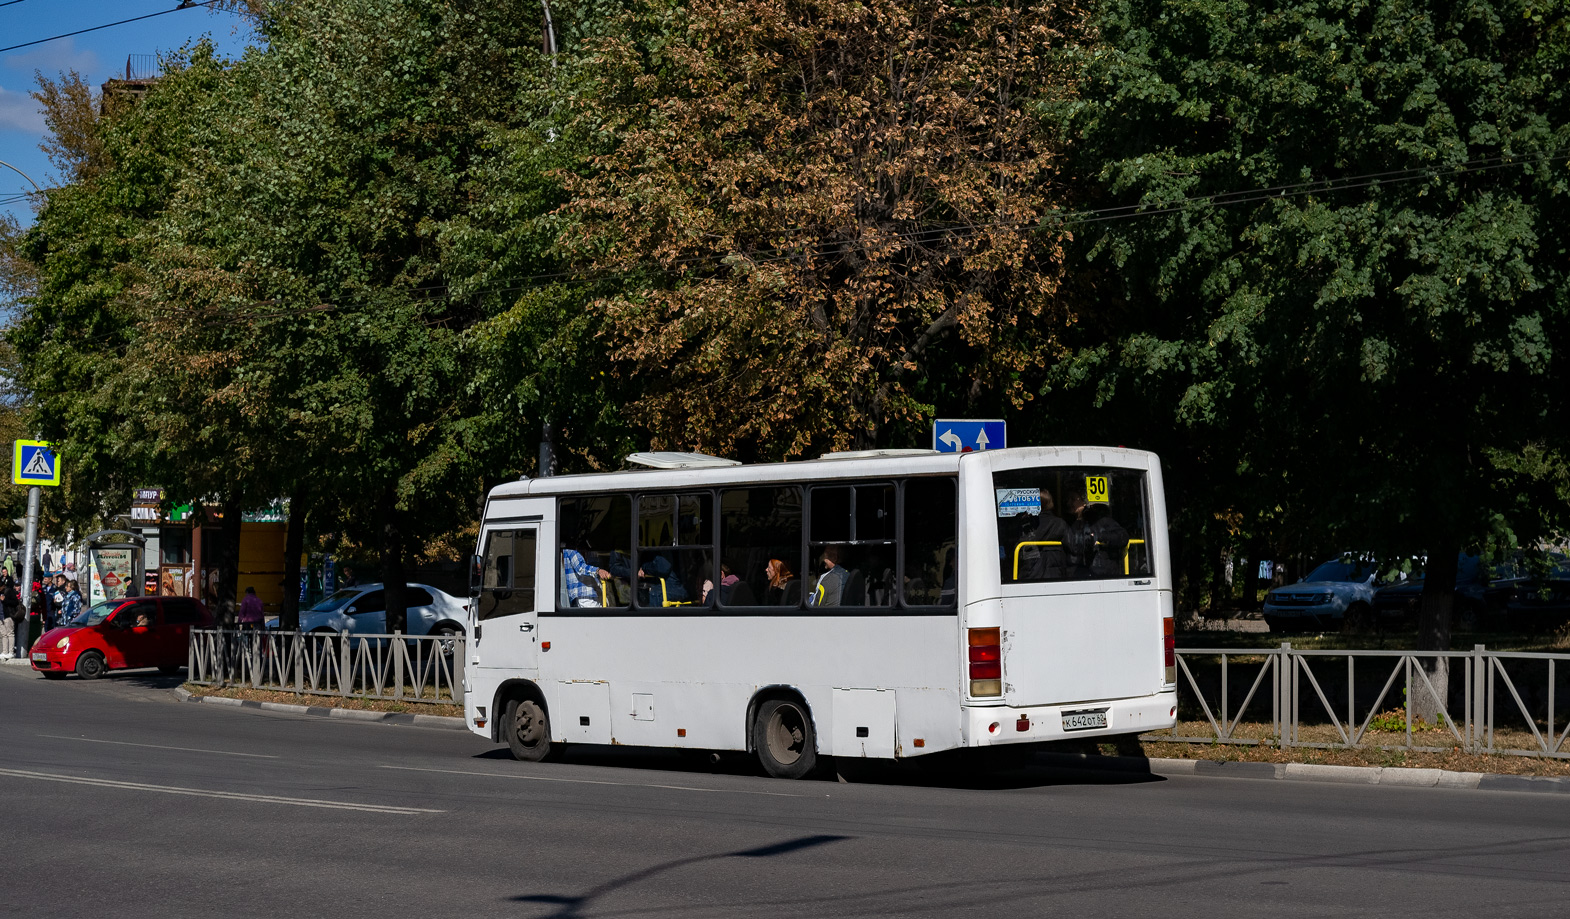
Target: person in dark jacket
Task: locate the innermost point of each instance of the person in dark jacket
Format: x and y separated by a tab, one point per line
8	617
653	567
1043	562
1096	542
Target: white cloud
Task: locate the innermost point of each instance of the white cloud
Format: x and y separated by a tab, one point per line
52	58
20	112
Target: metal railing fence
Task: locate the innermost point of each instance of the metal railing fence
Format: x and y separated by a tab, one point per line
396	667
1485	701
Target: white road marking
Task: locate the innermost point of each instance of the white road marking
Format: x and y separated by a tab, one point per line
229	795
153	746
545	778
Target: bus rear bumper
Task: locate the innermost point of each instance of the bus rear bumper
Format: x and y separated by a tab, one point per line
997	725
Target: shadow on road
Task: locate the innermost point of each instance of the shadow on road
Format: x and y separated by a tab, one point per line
147	679
143	679
967	769
573	907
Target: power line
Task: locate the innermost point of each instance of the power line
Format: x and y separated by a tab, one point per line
107	25
10	2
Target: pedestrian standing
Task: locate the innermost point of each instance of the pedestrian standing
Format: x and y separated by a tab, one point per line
251	611
7	623
32	620
56	588
72	605
10	565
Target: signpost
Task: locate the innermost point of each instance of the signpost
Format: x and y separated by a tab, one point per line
34	464
968	435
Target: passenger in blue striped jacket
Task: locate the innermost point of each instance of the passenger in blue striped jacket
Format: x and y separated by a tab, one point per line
580	580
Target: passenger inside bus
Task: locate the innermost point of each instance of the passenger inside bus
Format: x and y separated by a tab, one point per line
657	580
1096	542
831	588
784	587
580	581
1045	560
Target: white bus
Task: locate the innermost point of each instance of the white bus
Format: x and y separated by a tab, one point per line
879	604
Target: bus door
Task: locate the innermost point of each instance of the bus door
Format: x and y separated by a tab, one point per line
505	621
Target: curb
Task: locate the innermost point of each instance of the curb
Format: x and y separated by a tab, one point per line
323	711
1390	776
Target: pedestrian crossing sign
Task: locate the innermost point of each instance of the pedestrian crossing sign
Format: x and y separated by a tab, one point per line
35	464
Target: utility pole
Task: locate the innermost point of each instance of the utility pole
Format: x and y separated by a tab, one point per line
550	34
547	452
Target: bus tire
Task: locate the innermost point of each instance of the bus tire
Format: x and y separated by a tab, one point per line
528	731
782	735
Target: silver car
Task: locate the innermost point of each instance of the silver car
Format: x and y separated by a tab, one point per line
362	610
1338	588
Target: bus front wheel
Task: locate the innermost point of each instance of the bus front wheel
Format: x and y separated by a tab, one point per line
528	731
783	737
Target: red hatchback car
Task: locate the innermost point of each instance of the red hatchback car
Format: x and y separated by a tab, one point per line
121	635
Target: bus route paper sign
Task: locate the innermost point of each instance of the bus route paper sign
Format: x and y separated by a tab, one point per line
34	463
1097	491
1015	501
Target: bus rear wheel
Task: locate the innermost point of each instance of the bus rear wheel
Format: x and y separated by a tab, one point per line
528	731
783	736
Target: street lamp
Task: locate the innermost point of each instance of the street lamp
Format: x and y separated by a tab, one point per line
23	175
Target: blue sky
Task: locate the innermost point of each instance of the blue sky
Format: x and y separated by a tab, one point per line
97	56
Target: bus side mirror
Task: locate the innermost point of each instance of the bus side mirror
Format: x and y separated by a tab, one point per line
476	575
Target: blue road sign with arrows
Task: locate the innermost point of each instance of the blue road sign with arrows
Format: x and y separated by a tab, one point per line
959	435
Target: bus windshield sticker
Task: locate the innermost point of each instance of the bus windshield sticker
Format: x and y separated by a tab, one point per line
1015	501
1097	489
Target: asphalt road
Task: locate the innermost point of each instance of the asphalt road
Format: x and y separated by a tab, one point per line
119	801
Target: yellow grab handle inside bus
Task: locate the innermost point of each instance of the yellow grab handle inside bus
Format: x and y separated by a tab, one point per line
1019	546
665	597
1127	548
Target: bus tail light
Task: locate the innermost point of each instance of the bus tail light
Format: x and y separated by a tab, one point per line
986	661
1169	649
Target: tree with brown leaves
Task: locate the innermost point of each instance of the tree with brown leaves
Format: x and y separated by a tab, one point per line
809	196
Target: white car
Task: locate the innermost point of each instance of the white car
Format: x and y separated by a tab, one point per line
1338	588
362	610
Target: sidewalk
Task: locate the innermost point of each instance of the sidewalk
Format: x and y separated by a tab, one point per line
1389	776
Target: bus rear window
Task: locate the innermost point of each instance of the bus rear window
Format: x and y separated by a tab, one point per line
1061	523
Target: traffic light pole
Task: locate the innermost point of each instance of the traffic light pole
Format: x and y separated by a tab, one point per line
30	551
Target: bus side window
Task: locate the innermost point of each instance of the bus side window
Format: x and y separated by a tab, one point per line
599	527
760	542
931	573
675	550
856	523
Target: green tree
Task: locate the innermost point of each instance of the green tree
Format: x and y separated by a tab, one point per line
1341	263
340	269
